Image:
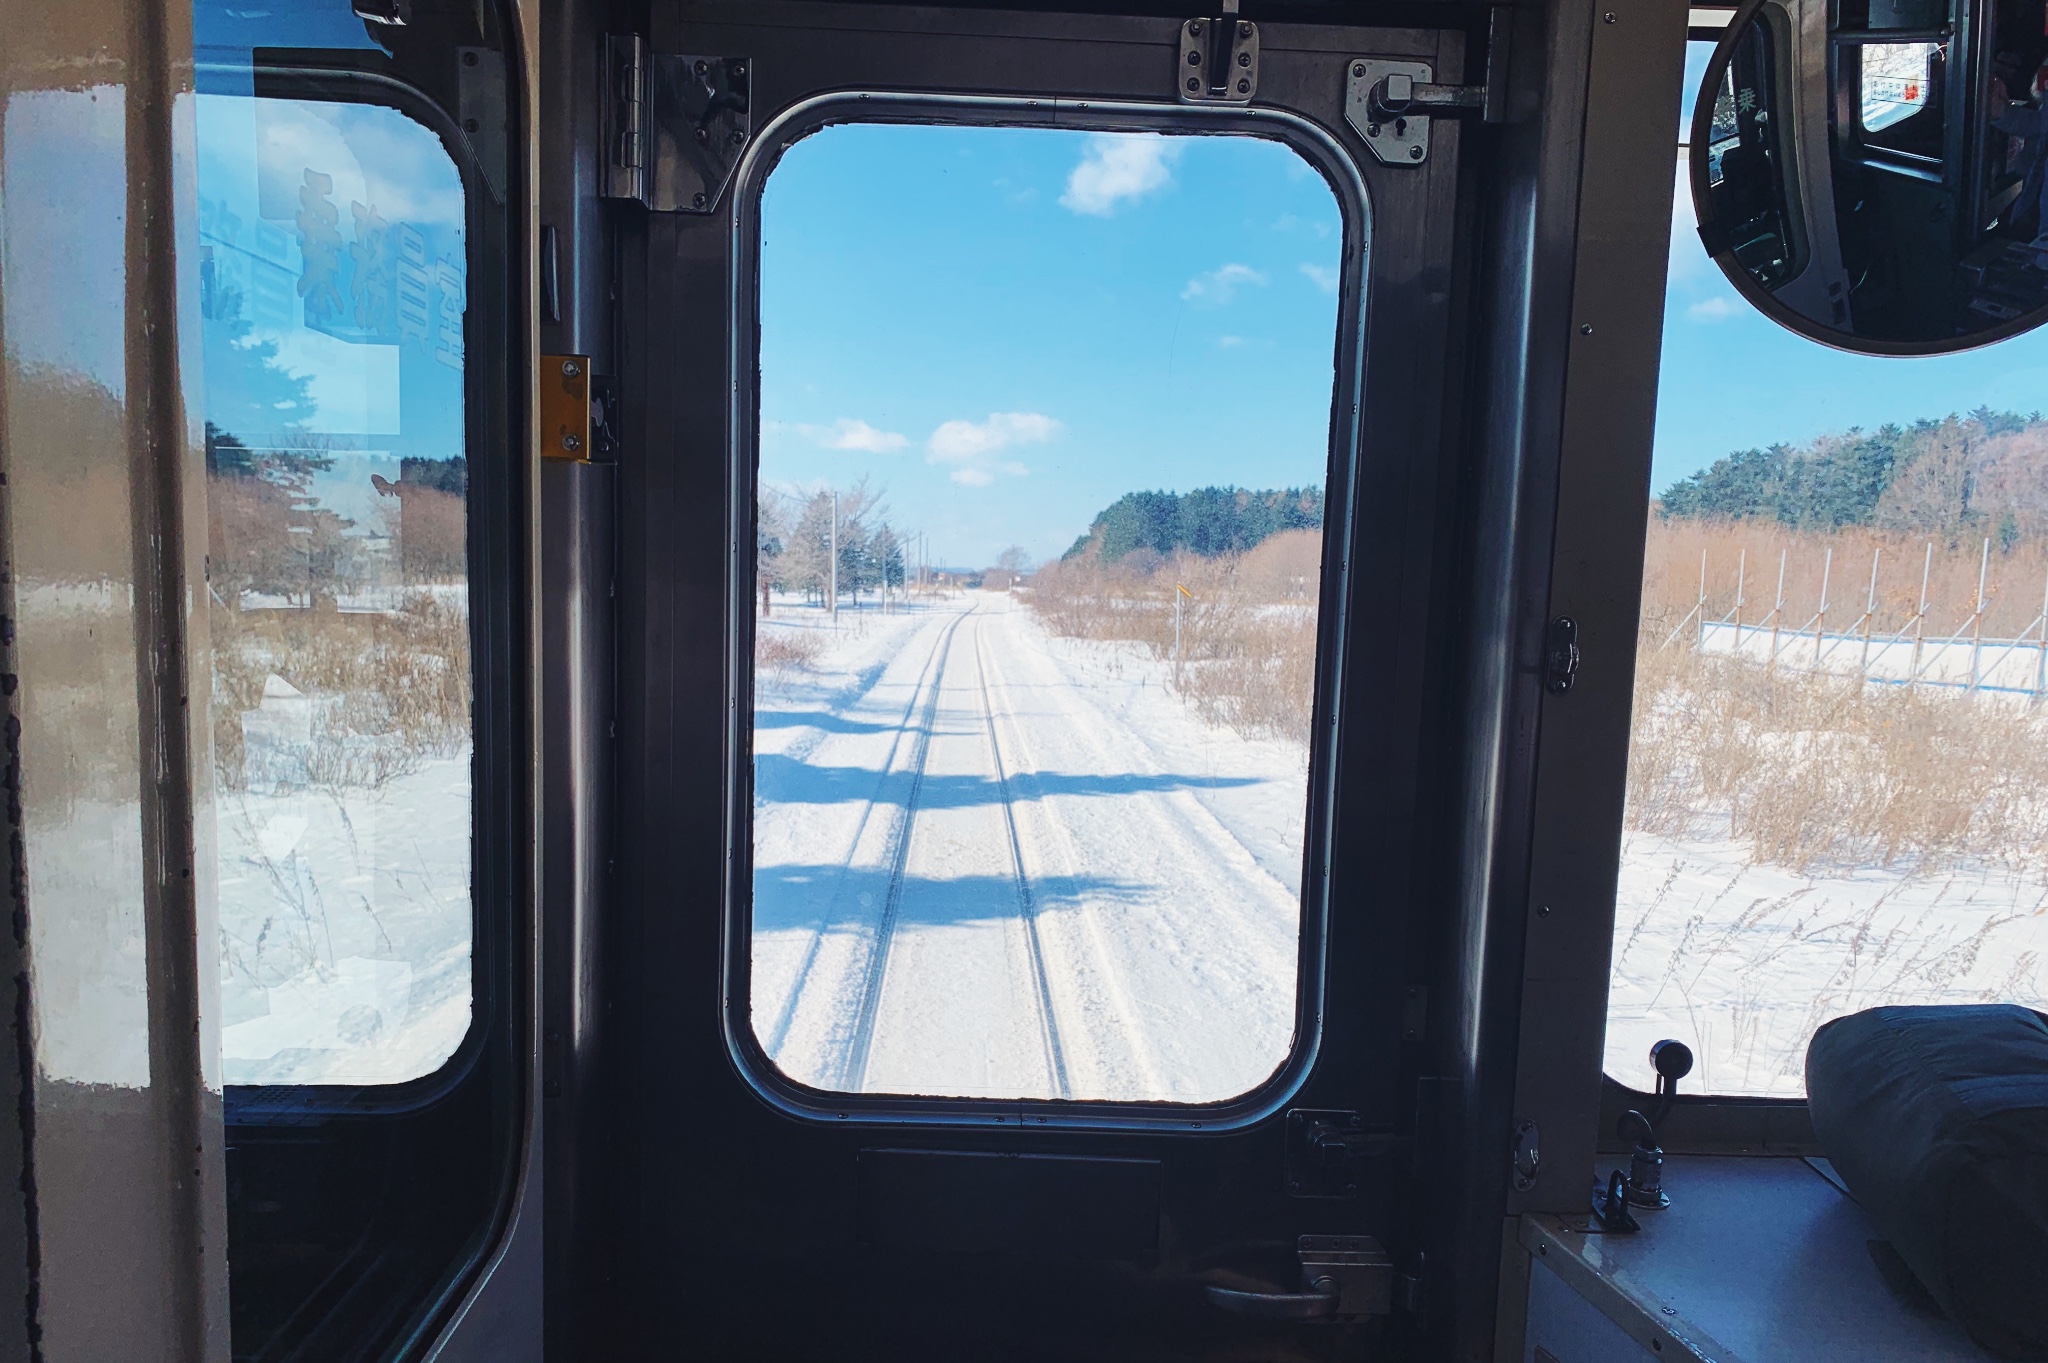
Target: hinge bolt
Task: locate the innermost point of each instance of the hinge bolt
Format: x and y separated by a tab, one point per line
570	369
571	443
1358	70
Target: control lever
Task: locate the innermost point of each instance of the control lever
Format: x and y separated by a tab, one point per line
1643	1184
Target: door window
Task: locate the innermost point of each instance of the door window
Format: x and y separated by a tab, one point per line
333	276
1045	429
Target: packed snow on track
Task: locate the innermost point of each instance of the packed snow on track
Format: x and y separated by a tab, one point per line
993	863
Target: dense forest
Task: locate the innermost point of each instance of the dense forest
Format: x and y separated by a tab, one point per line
1208	521
1981	473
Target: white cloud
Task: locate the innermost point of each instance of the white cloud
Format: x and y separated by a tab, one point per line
1323	277
1116	167
1717	309
851	433
1230	342
973	445
1219	286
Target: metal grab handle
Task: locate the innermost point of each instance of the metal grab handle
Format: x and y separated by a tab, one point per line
1322	1301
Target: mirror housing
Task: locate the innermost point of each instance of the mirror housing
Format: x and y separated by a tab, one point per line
1864	173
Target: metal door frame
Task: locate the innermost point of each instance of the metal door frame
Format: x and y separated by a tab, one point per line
707	1183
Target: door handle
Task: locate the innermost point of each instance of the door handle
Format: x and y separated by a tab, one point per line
1320	1300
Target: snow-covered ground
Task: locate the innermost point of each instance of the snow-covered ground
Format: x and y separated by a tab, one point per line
345	928
993	863
1743	962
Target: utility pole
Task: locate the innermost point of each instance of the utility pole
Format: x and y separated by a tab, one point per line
832	592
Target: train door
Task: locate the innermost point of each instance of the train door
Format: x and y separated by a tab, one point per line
1028	478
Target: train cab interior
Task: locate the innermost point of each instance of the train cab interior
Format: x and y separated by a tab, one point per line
1243	681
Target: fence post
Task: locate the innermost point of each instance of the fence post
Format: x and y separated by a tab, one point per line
1777	611
2041	670
1920	620
1700	633
1741	572
1977	618
1869	610
1820	621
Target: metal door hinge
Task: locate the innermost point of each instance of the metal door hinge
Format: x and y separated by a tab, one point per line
675	125
625	118
701	117
1218	61
1392	103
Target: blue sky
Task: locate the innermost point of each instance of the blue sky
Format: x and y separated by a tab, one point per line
1006	329
1733	379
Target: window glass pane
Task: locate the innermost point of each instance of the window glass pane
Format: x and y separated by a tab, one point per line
1835	795
332	281
1894	84
1045	426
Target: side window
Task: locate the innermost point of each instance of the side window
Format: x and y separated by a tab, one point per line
1900	96
1893	83
333	275
1046	423
1835	776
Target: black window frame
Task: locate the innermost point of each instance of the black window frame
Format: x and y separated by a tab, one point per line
393	1196
1327	156
341	76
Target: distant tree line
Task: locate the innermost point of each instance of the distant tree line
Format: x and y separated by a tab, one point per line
1209	521
795	538
270	534
1981	473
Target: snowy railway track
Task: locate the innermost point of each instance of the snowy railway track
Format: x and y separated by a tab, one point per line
860	1046
1027	909
934	664
854	1073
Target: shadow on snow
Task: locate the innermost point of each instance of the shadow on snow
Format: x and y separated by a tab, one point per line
781	781
824	898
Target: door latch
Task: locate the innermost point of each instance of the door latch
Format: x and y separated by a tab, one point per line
1561	655
1327	1151
1218	60
1392	103
1342	1276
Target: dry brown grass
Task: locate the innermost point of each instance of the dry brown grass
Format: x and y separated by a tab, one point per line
779	653
391	688
1248	631
1819	771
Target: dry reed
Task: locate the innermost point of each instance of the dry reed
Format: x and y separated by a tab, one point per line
1815	770
1247	647
391	688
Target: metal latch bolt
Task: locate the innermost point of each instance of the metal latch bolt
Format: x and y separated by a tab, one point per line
1218	59
1391	103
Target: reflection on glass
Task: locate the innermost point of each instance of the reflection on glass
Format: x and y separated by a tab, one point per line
332	292
1840	734
1895	82
1036	614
